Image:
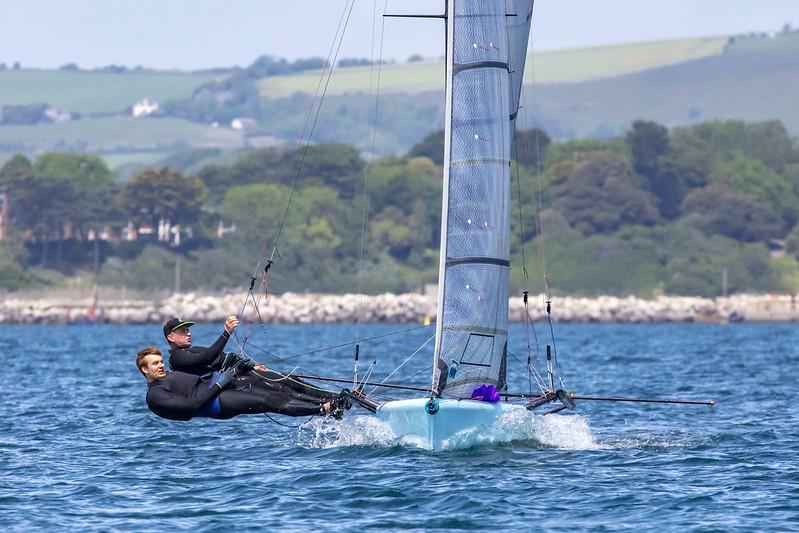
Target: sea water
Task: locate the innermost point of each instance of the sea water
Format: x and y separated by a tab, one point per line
80	451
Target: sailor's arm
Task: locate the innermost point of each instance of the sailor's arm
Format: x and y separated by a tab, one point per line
211	356
215	350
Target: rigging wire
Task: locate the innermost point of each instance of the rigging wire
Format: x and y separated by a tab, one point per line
539	222
374	95
538	378
344	344
428	369
313	124
529	324
292	426
316	104
405	361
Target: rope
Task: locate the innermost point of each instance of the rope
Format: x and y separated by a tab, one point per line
315	109
368	339
289	425
289	377
405	361
374	94
536	375
315	119
516	163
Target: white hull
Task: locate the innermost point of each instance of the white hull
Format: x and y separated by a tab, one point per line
457	424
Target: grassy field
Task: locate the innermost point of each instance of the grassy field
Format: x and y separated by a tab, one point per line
94	92
562	66
115	160
755	79
116	134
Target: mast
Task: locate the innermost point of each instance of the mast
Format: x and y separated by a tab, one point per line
442	263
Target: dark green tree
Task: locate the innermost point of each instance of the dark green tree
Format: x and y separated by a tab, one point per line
431	146
649	146
38	203
752	178
530	148
718	209
599	192
162	193
88	201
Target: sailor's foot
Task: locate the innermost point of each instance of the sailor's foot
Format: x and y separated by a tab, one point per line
340	404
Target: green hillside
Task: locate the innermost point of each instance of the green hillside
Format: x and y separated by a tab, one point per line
754	79
94	92
584	93
560	66
116	134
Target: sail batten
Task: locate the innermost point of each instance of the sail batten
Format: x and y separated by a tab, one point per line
471	332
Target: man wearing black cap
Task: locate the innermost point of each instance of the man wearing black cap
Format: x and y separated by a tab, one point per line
197	360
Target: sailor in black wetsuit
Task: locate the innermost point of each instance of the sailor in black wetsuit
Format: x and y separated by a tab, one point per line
251	377
197	360
182	396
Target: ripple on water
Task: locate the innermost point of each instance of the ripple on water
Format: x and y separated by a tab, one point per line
79	450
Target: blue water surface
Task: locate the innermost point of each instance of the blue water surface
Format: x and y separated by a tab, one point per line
80	451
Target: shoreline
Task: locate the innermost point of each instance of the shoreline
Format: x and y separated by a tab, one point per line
294	308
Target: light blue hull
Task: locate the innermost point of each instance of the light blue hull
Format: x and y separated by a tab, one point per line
457	424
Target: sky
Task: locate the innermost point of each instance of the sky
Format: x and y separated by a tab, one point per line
196	34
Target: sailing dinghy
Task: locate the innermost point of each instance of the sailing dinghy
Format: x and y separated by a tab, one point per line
486	51
486	48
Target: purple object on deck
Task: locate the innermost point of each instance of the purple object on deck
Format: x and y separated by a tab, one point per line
486	393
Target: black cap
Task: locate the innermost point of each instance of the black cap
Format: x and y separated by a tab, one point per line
174	323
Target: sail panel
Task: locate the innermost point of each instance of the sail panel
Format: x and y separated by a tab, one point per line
474	222
476	317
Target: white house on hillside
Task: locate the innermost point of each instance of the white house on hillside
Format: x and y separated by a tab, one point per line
144	108
243	123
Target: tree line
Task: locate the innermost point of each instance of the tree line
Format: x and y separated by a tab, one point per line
654	211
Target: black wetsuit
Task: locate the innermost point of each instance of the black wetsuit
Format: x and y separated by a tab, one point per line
181	396
286	395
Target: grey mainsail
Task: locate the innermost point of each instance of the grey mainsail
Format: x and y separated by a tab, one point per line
485	63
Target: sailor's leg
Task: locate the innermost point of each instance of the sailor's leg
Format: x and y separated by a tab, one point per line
296	388
239	402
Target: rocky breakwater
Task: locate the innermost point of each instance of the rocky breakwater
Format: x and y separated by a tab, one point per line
294	308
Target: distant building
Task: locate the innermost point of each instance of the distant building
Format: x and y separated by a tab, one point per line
144	108
243	123
222	229
57	115
164	232
776	248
